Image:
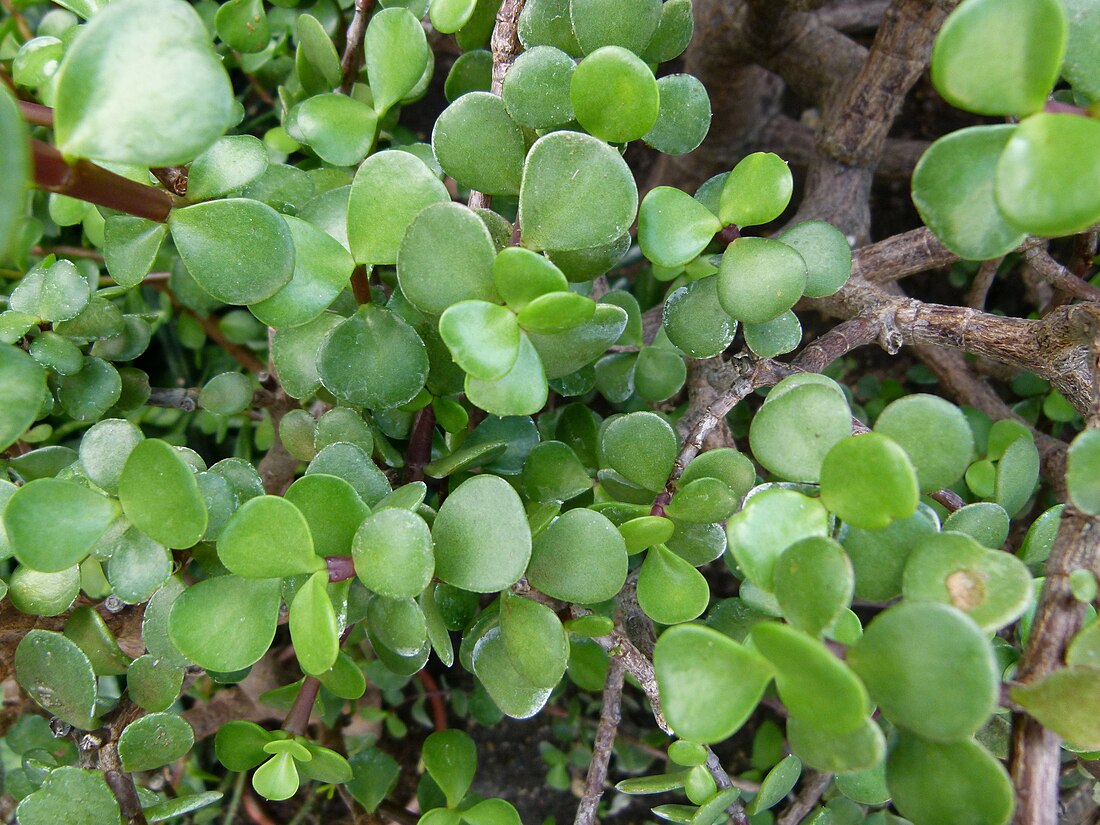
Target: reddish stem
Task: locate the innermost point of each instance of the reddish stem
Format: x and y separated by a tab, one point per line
340	568
435	699
419	451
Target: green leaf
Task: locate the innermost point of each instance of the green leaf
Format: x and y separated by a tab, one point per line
53	524
340	129
709	684
22	387
268	537
812	682
332	508
1079	68
521	276
239	745
577	193
1017	475
683	119
642	447
375	773
827	254
131	245
52	291
294	350
321	270
465	457
14	171
770	522
670	590
553	472
566	352
673	32
1000	58
953	189
519	392
795	429
756	191
393	553
374	359
580	557
556	312
779	782
313	628
581	265
482	541
316	60
703	501
695	321
986	522
397	56
138	567
240	251
226	623
547	23
813	583
43	594
861	748
153	741
1083	472
659	373
934	434
172	808
446	257
227	393
535	639
508	688
478	144
448	16
929	668
153	685
775	337
88	394
626	23
673	227
135	67
868	481
450	757
1065	701
726	464
349	462
614	94
70	795
947	784
160	495
277	778
992	588
57	675
492	812
536	88
760	279
1045	180
389	190
242	25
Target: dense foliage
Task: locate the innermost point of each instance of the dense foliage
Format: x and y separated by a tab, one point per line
330	408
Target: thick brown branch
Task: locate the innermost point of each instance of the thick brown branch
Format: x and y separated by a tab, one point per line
813	787
610	717
352	60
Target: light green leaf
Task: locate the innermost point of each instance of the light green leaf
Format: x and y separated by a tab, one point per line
479	145
826	750
131	247
760	279
52	290
756	191
268	537
695	321
520	391
673	227
72	795
670	590
313	628
153	741
684	117
868	481
22	387
393	553
536	88
796	428
397	56
450	757
242	25
58	676
508	688
614	95
770	522
580	557
53	524
626	23
642	447
226	623
1083	472
160	495
813	583
483	338
332	508
14	170
934	434
340	129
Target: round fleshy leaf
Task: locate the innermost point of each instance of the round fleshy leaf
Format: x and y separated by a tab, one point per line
536	88
775	337
316	61
626	23
659	374
313	628
227	393
756	191
53	524
472	72
792	433
14	169
393	553
154	741
521	276
868	481
580	558
340	129
397	55
683	119
614	94
861	748
482	540
332	508
827	254
553	472
519	392
294	350
953	191
695	321
160	495
1048	177
702	501
389	190
813	583
1017	475
243	25
760	279
450	758
138	567
1083	472
228	166
673	33
90	393
277	778
984	521
547	23
933	783
479	145
446	256
929	668
349	462
57	675
268	537
878	556
535	640
813	683
509	689
240	251
1079	67
673	227
580	265
728	465
131	245
22	387
374	359
577	193
448	16
137	66
153	685
43	594
768	524
484	339
556	312
51	291
1000	58
72	795
670	590
642	447
1067	702
563	353
934	434
709	684
239	745
226	623
991	587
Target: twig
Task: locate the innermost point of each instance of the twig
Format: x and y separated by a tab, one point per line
36	114
352	60
983	280
1058	276
435	699
186	399
235	799
360	285
813	786
254	812
610	716
209	323
419	452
